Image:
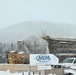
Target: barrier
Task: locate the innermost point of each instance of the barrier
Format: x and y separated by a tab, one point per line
31	69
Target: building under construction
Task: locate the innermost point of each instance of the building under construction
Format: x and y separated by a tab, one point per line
14	53
62	47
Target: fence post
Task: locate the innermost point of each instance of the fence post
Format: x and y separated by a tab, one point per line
29	73
33	73
23	73
39	73
29	70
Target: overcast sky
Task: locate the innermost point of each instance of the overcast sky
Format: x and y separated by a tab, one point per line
16	11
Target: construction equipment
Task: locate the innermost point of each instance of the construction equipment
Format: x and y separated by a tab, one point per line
17	58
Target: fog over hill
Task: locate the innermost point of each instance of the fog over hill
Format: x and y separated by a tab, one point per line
24	30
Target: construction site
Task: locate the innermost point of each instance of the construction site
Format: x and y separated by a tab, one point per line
16	57
19	53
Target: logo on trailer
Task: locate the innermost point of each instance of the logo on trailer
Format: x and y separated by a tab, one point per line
43	58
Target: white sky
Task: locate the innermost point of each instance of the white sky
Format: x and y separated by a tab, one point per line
16	11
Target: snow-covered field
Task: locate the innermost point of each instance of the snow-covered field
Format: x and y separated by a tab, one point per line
25	73
71	69
8	73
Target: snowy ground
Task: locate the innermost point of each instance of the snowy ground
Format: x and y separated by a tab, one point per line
71	69
25	73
